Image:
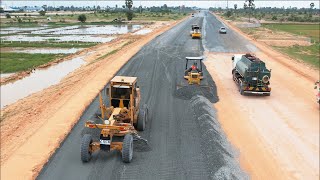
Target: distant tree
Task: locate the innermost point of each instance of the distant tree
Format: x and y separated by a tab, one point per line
235	7
228	14
129	4
249	5
129	12
274	18
82	18
42	13
19	20
140	9
129	15
311	7
8	16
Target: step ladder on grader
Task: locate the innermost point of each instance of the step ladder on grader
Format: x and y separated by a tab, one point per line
119	120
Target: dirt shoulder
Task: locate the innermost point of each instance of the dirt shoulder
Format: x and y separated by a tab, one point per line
277	136
33	127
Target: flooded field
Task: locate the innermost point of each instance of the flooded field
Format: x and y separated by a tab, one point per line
86	33
67	38
38	80
13	30
90	30
43	50
47	35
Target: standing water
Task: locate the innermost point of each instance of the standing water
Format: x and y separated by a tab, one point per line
38	80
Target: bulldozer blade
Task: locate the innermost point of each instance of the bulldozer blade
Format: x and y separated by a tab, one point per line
203	84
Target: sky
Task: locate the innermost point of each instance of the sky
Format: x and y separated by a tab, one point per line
136	3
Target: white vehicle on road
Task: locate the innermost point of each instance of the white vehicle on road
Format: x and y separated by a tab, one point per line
223	30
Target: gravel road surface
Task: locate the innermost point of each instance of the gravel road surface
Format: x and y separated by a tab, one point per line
185	140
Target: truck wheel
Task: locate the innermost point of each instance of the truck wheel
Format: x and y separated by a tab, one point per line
127	148
141	124
240	88
85	148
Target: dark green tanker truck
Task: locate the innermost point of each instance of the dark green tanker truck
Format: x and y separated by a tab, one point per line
251	75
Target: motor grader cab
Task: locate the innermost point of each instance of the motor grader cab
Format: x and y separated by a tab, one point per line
119	120
193	74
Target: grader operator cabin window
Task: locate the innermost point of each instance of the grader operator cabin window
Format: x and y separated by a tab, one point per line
120	92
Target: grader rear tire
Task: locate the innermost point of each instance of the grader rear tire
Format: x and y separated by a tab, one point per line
85	148
127	148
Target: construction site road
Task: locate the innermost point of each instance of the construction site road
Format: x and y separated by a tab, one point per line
185	140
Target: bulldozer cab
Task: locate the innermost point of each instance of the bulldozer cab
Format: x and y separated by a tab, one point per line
123	92
194	61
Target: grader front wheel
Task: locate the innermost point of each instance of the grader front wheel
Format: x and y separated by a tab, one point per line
85	148
127	148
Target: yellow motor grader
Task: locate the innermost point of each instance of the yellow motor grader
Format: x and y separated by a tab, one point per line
119	120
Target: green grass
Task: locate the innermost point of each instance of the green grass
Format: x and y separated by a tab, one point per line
52	45
15	62
308	54
308	30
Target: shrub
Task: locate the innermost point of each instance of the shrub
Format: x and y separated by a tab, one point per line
42	13
82	18
129	15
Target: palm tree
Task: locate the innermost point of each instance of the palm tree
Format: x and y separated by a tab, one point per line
250	5
235	7
311	7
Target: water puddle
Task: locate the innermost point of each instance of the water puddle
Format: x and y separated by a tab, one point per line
75	38
11	30
143	31
38	80
90	30
45	50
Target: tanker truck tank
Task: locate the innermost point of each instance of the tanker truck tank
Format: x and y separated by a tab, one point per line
251	75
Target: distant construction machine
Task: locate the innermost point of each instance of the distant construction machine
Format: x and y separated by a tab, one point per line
195	31
251	75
